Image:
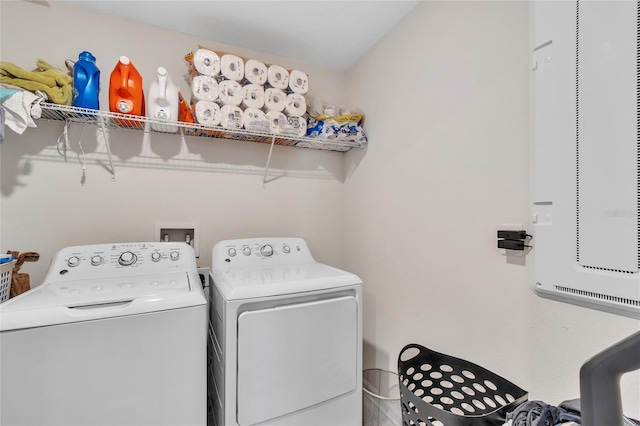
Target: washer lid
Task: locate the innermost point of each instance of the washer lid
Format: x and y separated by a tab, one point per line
60	302
246	283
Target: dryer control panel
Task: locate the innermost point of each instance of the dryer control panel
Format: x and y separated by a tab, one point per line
260	251
122	259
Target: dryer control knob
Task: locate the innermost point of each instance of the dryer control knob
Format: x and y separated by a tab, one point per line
246	251
96	260
174	255
266	250
127	258
286	249
73	261
231	252
156	256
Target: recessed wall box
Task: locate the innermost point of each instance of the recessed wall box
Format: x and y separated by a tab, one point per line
186	232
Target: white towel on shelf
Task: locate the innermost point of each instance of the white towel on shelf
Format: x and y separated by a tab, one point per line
20	110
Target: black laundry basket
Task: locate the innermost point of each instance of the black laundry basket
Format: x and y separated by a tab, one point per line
441	390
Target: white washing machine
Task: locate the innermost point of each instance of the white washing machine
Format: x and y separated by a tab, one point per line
285	336
116	335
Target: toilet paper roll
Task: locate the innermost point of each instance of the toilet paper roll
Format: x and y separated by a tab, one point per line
253	96
204	88
255	120
206	62
286	126
231	117
274	99
296	105
230	92
207	113
278	77
231	67
296	127
298	82
255	72
277	120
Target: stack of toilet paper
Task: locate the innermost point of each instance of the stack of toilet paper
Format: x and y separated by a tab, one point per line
233	92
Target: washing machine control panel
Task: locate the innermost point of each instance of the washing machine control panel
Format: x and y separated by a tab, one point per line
260	251
112	260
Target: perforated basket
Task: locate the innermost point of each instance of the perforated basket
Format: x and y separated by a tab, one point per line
441	390
5	280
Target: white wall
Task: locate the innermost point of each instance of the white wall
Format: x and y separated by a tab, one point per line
446	98
215	183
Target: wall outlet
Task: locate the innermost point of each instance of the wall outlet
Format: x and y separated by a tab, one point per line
187	232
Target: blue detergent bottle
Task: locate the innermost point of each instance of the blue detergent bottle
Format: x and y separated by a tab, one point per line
86	82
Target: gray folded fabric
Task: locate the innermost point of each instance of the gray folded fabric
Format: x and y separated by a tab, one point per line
526	414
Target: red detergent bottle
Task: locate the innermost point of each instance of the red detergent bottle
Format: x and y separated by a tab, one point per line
126	95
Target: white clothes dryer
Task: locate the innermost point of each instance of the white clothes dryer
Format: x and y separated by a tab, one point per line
285	336
116	335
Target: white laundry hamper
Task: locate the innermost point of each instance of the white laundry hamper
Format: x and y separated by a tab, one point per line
5	280
381	398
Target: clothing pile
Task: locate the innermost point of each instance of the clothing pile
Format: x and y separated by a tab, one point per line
22	92
56	84
19	108
538	413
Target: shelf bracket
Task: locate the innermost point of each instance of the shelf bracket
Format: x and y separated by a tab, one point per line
105	137
266	168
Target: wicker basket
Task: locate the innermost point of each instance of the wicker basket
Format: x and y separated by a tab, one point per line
5	280
441	390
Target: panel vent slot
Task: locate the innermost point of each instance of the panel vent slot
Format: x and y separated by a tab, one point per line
599	296
608	270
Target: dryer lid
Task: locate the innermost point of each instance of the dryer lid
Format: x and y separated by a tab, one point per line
246	283
60	302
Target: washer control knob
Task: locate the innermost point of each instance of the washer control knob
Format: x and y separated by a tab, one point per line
286	249
174	255
266	250
127	258
73	261
246	251
231	252
96	260
156	256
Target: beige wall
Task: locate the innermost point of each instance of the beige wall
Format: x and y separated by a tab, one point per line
446	97
414	214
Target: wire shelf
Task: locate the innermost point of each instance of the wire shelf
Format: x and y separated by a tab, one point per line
125	121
